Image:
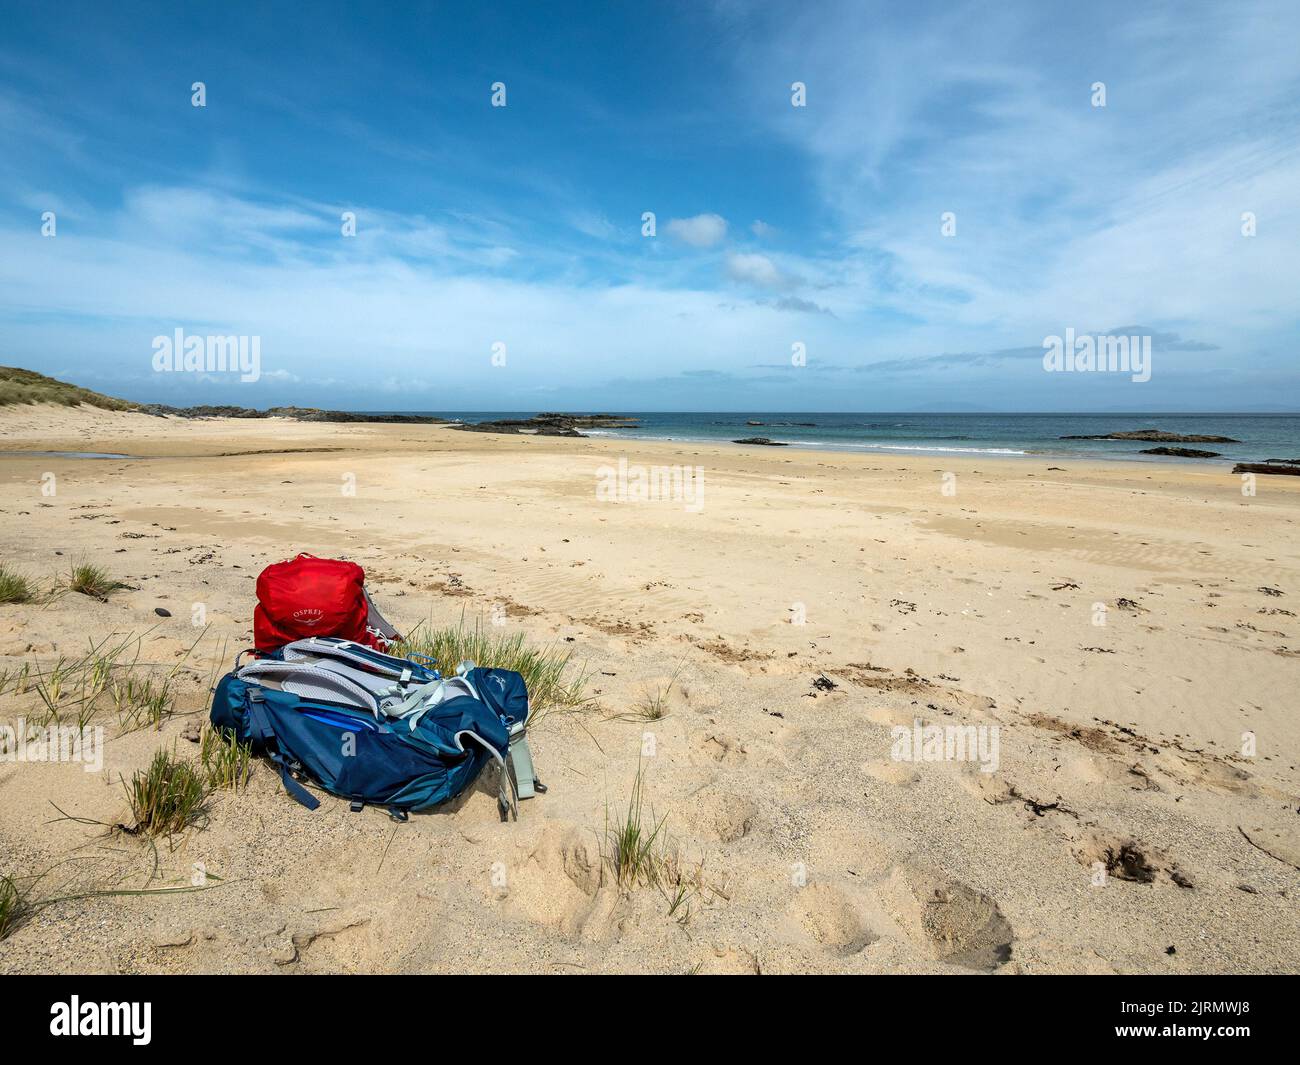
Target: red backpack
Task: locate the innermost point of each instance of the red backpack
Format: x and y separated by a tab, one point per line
310	596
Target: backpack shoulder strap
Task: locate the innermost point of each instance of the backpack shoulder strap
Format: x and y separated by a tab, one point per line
262	732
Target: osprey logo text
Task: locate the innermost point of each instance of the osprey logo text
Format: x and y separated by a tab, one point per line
308	615
132	1019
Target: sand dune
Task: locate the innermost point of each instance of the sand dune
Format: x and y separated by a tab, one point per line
814	602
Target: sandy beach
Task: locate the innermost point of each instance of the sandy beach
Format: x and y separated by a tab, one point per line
1115	629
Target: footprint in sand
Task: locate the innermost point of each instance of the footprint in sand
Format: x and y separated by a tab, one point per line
1208	773
556	882
724	816
865	853
831	918
947	920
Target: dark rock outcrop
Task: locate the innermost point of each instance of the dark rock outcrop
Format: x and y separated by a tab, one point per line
551	424
1266	467
1158	436
310	414
761	440
1182	452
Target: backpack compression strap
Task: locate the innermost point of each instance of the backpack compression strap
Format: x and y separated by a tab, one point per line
518	778
262	732
520	757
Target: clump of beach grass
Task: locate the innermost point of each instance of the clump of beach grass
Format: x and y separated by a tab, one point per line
636	852
681	887
554	683
654	704
632	850
68	684
15	587
92	580
167	797
109	671
140	700
227	762
13	905
16	680
53	684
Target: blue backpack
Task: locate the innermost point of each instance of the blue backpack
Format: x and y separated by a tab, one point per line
377	729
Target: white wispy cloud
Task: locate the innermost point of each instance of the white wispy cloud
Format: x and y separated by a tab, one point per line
756	269
366	306
1064	212
699	231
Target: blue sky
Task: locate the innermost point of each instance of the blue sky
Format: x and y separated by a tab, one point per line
775	225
